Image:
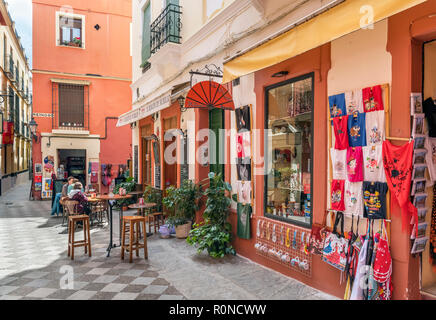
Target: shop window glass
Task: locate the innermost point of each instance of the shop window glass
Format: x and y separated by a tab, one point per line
289	116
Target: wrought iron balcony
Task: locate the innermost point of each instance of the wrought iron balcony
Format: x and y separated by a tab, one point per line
17	77
166	28
9	66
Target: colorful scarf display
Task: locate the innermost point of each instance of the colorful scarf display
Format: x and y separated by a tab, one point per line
433	231
397	161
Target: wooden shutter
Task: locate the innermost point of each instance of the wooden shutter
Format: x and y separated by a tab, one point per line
146	45
71	105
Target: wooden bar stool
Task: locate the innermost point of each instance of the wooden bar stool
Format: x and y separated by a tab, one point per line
72	220
133	224
155	219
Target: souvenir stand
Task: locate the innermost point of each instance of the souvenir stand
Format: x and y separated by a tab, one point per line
245	176
424	177
358	192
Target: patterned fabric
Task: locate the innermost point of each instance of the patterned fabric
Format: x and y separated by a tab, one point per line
433	230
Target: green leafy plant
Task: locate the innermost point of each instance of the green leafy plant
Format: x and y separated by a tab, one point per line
182	203
214	235
129	185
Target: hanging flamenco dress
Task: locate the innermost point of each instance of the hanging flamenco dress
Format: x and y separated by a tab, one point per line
382	267
397	161
433	232
361	273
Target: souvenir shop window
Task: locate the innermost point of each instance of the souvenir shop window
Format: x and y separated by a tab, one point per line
289	118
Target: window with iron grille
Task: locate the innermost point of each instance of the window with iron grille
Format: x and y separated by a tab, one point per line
17	114
11	100
70	106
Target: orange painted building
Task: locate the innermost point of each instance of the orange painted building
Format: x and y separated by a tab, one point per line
82	73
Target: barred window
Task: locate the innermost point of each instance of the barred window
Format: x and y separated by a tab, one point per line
71	105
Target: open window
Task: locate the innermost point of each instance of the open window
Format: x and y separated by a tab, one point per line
70	30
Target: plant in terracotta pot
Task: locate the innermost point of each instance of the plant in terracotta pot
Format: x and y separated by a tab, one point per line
182	204
214	235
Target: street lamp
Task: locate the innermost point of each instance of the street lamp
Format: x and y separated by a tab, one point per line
33	126
181	101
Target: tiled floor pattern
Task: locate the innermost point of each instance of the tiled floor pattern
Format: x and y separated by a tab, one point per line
34	265
34	262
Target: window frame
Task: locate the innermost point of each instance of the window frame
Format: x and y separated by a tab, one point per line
83	89
310	75
59	15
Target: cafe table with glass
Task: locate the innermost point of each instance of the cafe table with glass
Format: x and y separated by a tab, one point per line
111	200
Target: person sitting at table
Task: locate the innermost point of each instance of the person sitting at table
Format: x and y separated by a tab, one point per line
78	195
56	205
71	187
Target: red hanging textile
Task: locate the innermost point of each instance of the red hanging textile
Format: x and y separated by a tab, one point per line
8	132
397	161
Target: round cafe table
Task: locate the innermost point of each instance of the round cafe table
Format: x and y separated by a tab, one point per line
146	207
136	194
111	201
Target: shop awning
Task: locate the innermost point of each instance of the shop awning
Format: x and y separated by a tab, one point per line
328	26
158	104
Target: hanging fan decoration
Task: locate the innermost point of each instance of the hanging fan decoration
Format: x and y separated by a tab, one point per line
209	95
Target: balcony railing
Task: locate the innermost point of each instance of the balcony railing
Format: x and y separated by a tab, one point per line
17	77
9	66
166	28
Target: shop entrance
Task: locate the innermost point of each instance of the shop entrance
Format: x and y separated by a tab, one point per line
146	155
74	163
428	259
170	153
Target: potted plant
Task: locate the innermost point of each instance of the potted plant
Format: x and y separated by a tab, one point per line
182	204
214	235
77	42
128	187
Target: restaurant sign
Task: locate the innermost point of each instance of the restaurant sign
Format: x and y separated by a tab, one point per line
146	110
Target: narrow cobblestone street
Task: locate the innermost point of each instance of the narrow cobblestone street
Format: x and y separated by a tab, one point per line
33	262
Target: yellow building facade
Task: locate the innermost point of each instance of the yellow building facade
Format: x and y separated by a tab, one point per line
15	106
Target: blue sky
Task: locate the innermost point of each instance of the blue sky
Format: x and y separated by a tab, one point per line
21	13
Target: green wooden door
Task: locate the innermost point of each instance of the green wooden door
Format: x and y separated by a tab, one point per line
216	122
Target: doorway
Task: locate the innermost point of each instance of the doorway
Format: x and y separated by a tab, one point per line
170	140
216	124
428	259
74	163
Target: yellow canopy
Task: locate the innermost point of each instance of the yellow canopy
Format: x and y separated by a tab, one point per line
330	25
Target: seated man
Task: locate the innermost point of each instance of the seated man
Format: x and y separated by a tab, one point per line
56	205
78	195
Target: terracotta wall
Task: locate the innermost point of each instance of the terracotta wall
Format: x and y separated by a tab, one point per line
406	33
106	53
107	50
317	61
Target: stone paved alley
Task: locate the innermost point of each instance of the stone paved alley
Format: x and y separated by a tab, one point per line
33	253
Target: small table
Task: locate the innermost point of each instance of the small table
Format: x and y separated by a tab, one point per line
136	194
109	199
146	206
